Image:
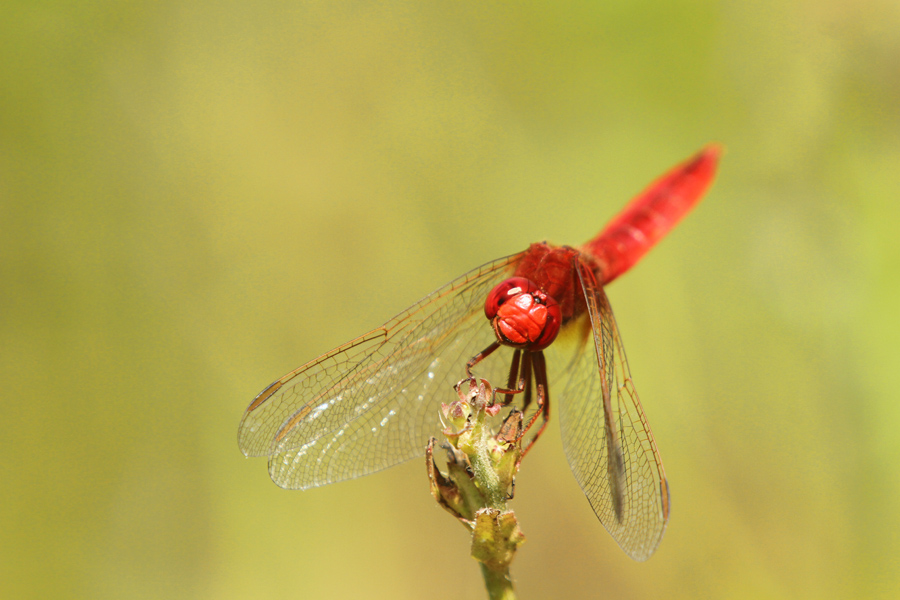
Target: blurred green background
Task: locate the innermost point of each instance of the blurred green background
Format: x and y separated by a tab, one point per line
196	198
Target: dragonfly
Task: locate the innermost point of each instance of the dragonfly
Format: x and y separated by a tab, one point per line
539	319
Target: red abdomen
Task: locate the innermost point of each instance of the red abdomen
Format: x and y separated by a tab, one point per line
651	215
625	240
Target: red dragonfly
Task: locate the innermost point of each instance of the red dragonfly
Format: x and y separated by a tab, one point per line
373	402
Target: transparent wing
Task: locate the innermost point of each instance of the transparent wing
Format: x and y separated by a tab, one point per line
373	402
606	435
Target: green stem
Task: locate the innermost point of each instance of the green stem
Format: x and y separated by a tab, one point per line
498	584
480	468
486	477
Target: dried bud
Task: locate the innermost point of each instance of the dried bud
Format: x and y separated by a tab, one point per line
444	490
496	538
481	467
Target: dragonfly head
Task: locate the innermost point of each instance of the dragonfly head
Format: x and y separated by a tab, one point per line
523	315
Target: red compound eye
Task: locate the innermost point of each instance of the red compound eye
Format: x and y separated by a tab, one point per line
505	291
522	315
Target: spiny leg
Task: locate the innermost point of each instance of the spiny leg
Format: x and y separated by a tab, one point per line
480	357
514	381
525	379
519	375
543	399
474	361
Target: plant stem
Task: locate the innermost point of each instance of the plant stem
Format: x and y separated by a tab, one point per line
481	467
498	584
486	478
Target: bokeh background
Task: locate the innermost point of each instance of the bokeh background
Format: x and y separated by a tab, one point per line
198	197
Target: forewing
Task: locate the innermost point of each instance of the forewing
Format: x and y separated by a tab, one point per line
373	402
606	435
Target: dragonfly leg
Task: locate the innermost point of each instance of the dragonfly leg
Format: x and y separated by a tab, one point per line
519	376
514	382
525	379
543	400
480	357
474	361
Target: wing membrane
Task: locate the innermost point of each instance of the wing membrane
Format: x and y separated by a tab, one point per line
606	435
373	402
